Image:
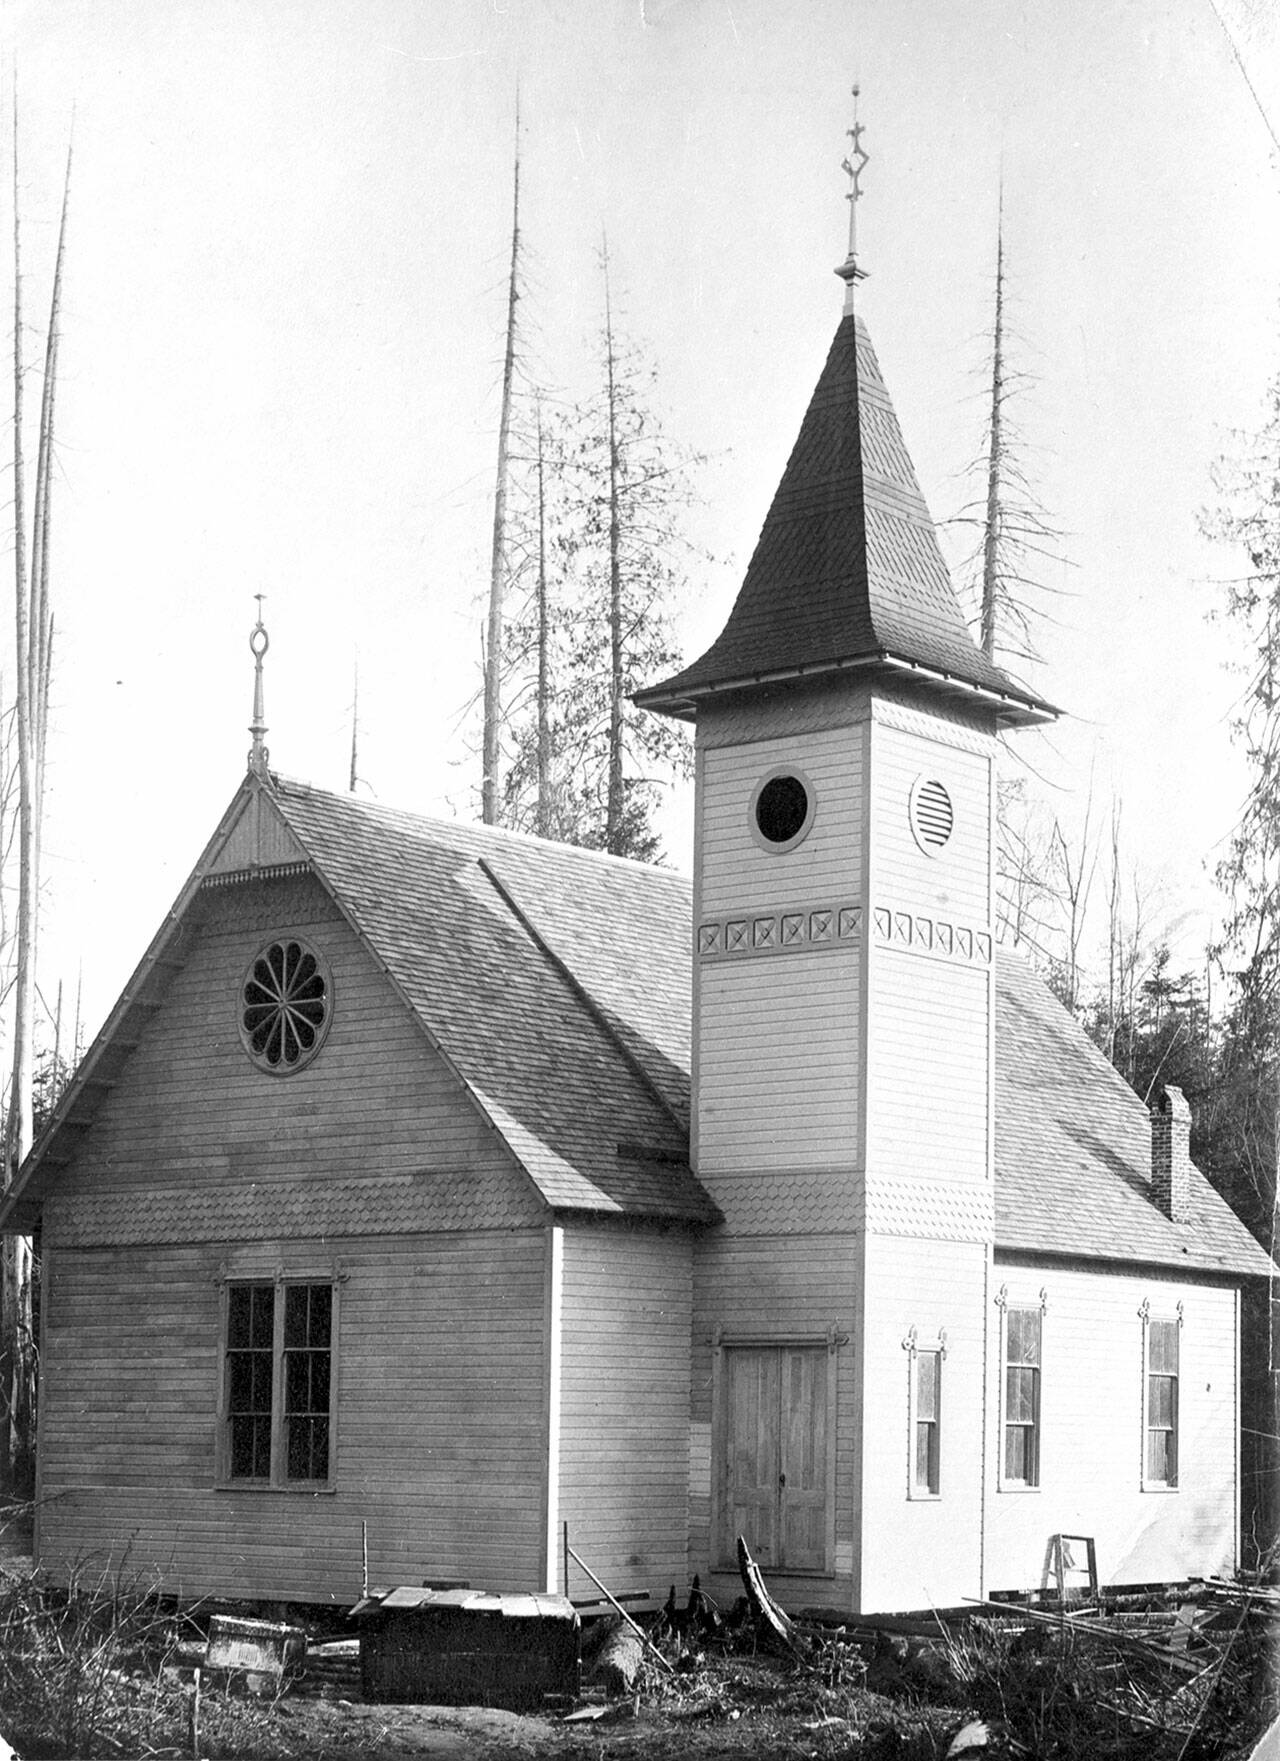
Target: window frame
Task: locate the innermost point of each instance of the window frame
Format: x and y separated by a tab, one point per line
1152	1318
277	1480
1005	1481
781	846
322	971
928	1491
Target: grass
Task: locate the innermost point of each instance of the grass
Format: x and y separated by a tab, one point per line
90	1669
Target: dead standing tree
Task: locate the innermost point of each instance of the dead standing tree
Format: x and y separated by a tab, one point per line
1016	543
33	642
491	781
1016	540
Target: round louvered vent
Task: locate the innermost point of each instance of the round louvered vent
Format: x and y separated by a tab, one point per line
286	1001
931	815
782	809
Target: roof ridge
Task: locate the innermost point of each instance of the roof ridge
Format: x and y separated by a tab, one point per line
415	817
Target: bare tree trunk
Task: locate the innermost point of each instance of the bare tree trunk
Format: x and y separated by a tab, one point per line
613	811
14	1394
353	771
543	821
995	466
1077	879
19	1120
1115	951
33	630
491	783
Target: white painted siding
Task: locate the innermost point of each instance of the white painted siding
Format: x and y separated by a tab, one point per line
767	1288
624	1405
779	1068
922	1552
928	1071
1091	1447
954	883
826	868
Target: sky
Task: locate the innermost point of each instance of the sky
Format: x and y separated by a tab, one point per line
282	337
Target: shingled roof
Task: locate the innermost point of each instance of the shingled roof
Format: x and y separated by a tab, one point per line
847	572
1073	1150
555	981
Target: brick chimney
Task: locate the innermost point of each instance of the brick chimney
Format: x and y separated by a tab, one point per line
1171	1155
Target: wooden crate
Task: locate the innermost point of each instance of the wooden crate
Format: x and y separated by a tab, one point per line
466	1648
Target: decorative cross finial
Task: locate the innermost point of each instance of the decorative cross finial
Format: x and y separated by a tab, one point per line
853	164
258	645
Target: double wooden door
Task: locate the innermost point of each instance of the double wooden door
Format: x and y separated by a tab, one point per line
774	1487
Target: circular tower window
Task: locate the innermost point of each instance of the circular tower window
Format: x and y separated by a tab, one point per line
782	809
932	816
286	1002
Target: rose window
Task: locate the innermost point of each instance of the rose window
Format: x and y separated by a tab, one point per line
286	1001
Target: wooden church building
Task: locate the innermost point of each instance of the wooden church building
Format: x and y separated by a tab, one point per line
444	1181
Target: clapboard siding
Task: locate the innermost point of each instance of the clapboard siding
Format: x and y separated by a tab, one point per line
1091	1450
929	1074
192	1117
762	1288
440	1420
824	869
922	1552
954	882
624	1404
779	1063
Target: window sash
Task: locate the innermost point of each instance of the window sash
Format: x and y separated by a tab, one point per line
1160	1418
926	1424
1023	1350
279	1383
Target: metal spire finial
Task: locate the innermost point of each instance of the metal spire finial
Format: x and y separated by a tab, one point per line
853	164
259	642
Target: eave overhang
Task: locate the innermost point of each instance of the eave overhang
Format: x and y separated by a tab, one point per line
1012	709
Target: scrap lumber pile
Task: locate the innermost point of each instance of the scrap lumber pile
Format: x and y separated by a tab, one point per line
1178	1670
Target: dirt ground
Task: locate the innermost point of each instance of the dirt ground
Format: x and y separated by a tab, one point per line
734	1708
1039	1697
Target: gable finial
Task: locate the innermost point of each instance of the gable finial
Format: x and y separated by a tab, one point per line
259	642
853	164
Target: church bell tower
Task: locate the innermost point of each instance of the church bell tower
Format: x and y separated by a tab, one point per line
843	988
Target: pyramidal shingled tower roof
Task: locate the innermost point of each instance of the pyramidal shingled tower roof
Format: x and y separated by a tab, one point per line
847	573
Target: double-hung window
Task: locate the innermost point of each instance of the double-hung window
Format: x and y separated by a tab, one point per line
1023	1333
926	1424
279	1373
1160	1456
